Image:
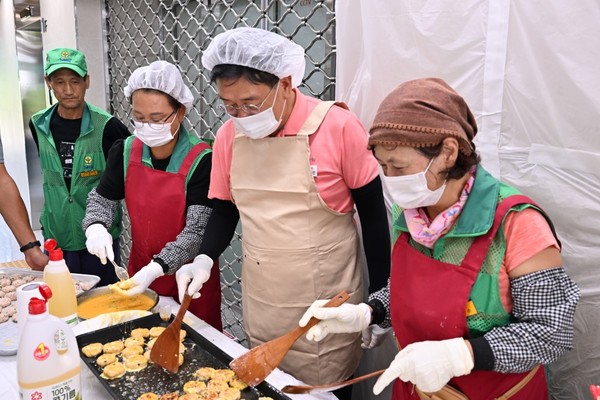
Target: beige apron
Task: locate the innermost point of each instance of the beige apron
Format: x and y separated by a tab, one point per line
296	249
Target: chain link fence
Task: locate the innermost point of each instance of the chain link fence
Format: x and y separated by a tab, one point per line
142	31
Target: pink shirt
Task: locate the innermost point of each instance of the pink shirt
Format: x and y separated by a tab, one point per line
338	154
527	233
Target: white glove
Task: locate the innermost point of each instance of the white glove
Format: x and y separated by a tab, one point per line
141	280
373	336
99	242
195	274
429	365
346	318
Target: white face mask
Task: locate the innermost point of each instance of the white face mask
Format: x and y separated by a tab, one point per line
259	125
411	191
152	134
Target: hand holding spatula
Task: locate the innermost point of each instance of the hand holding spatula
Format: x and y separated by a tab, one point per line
255	365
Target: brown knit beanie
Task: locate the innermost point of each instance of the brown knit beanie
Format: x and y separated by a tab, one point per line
422	113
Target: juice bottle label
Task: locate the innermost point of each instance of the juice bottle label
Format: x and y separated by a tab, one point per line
69	389
71	320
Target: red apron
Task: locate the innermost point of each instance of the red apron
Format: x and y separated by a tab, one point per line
428	302
157	208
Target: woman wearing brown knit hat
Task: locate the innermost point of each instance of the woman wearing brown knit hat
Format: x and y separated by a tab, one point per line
477	296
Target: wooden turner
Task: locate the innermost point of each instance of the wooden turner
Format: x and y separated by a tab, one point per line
298	389
165	351
253	366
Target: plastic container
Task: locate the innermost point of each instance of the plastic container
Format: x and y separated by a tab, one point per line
63	303
25	293
48	365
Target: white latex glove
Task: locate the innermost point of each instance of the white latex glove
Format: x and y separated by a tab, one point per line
346	318
429	365
373	336
193	275
99	242
139	282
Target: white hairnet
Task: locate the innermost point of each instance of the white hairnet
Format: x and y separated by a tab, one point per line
259	49
163	76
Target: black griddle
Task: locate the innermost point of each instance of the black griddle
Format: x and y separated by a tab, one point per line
200	352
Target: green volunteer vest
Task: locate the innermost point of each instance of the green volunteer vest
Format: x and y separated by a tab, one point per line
64	209
475	220
184	144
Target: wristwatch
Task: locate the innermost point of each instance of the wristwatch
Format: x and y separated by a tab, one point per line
30	245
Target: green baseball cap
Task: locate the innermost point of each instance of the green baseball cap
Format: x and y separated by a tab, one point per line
66	58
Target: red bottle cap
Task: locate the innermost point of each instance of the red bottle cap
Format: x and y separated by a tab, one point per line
54	253
45	291
38	306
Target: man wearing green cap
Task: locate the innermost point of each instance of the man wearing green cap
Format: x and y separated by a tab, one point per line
73	139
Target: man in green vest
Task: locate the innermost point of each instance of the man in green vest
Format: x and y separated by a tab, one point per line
73	139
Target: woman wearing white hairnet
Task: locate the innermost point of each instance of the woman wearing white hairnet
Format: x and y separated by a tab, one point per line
163	173
292	168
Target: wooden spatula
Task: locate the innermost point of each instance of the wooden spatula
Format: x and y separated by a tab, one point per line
298	389
254	366
165	351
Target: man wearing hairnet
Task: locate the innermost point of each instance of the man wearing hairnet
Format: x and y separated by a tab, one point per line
73	139
163	173
292	168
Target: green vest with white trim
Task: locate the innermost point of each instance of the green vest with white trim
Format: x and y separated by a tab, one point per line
64	208
184	144
475	220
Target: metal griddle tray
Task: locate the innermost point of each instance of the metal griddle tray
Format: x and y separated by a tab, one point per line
199	353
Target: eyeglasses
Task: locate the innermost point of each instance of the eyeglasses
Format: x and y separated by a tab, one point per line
156	125
249	109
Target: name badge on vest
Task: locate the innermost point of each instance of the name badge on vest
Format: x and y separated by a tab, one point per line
86	174
88	167
313	170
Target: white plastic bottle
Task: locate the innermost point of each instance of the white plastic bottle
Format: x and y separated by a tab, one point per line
48	365
63	303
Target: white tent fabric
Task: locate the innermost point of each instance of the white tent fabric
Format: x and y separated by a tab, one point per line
529	71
